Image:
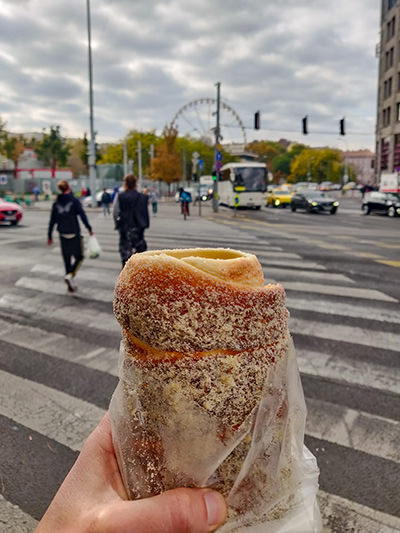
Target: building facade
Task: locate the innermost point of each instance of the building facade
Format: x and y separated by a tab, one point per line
363	162
388	105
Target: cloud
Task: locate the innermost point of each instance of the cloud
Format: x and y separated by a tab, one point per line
150	58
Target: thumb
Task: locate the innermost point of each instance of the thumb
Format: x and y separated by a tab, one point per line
175	511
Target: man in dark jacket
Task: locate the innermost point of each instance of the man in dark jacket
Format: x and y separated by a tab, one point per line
131	215
64	213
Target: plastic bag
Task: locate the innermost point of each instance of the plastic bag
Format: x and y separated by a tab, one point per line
93	248
165	439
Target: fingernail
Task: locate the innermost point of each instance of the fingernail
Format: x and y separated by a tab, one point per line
216	507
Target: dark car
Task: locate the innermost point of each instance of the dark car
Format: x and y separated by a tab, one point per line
314	202
381	202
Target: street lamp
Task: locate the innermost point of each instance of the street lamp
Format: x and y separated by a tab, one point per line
92	144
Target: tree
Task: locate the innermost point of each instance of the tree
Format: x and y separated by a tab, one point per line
12	147
266	150
53	148
77	158
323	164
281	164
166	165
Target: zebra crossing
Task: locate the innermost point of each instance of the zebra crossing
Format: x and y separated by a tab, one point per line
60	352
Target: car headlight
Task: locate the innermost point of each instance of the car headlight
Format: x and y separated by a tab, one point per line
398	210
204	197
335	204
314	204
277	202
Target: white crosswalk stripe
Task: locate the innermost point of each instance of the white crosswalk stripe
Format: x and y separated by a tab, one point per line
39	298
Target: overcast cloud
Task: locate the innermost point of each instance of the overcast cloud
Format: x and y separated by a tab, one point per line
150	58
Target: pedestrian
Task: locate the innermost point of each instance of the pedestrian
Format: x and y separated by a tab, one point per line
154	196
83	192
93	498
131	215
36	192
114	193
106	201
64	213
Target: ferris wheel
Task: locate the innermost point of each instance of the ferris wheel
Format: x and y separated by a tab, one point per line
197	118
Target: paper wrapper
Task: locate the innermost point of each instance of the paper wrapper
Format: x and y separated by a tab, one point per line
229	419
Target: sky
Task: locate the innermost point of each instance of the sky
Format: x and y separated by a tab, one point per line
153	60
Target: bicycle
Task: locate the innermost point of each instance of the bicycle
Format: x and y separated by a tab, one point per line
185	209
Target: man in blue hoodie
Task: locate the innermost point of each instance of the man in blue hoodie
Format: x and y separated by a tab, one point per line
64	213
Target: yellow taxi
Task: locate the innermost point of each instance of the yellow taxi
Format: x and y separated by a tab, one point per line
279	198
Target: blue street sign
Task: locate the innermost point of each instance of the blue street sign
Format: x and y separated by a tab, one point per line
201	164
218	156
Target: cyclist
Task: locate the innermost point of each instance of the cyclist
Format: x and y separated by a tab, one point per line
185	198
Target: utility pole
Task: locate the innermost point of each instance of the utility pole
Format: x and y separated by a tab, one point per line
217	162
125	157
139	150
92	143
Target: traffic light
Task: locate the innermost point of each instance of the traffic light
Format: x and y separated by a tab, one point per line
214	175
305	127
342	127
257	120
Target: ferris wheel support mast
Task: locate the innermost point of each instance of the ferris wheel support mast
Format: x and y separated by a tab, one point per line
217	149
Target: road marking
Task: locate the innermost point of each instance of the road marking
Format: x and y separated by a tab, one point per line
48	411
335	290
39	306
365	255
385	245
344	309
265	261
287	273
337	332
276	255
326	245
355	429
323	365
389	263
56	287
345	515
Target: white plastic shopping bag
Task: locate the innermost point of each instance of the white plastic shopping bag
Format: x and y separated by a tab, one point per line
93	249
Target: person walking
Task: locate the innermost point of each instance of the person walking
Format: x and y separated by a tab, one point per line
154	197
65	212
105	202
131	215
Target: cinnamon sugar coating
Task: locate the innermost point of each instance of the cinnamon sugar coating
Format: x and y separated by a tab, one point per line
183	305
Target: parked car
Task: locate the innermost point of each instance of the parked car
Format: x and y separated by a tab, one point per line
381	202
88	202
10	212
325	186
314	202
279	198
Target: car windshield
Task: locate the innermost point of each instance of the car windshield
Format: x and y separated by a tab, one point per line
281	192
252	178
392	197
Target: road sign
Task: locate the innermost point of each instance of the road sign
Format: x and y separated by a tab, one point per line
218	166
218	156
236	200
3	179
201	164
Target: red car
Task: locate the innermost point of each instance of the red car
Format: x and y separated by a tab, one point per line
10	212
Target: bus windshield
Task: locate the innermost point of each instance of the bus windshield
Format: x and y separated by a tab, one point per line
254	179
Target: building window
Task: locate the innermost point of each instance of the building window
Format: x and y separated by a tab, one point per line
391	3
389	55
398	112
386	117
390	29
387	88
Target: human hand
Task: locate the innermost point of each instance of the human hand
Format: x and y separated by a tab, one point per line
93	498
91	233
49	242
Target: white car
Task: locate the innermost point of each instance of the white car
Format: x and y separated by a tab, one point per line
88	202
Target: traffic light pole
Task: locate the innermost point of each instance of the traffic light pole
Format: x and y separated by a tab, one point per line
92	144
216	150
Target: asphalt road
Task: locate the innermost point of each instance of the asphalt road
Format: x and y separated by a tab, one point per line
341	273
